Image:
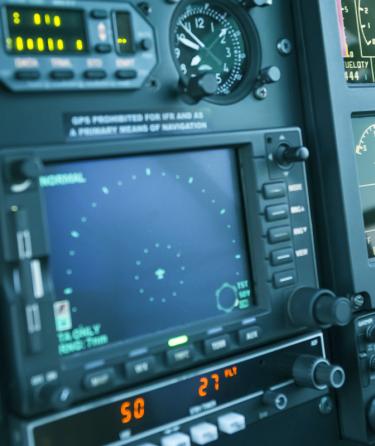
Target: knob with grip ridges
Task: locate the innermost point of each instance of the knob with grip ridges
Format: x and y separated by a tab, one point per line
200	87
311	307
286	155
317	373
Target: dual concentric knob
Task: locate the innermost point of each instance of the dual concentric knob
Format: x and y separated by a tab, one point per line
311	307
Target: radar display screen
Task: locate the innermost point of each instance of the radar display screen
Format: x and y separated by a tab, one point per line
364	131
140	245
357	32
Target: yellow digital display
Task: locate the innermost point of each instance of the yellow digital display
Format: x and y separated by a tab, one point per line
45	31
124	33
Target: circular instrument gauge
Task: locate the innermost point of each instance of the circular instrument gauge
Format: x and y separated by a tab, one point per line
216	37
365	156
365	152
366	17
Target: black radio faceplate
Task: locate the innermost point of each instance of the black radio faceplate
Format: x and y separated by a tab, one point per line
75	46
220	400
48	287
354	347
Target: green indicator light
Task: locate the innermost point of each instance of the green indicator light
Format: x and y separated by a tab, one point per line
180	340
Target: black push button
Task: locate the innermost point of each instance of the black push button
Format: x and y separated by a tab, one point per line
180	356
27	75
274	190
217	345
284	279
61	75
146	44
281	257
99	14
103	48
126	74
274	213
140	367
98	379
278	235
95	74
249	335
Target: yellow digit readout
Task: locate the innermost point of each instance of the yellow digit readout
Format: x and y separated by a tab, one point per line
79	44
51	44
60	44
16	18
45	31
37	19
122	40
19	44
40	44
57	21
30	44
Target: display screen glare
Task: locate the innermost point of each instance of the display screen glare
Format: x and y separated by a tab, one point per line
364	132
140	245
45	31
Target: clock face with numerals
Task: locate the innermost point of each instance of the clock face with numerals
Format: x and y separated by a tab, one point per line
218	38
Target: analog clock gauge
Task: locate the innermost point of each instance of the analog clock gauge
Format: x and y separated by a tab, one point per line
216	38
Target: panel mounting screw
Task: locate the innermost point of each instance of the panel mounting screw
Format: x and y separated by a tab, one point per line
325	405
285	47
358	301
261	93
145	8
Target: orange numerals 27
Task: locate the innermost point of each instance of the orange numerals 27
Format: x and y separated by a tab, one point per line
205	382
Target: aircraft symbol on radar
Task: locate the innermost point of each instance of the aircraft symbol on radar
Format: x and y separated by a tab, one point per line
160	273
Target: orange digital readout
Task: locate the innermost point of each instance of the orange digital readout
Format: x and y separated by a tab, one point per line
132	410
214	380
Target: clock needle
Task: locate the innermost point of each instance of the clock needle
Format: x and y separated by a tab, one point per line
199	42
189	43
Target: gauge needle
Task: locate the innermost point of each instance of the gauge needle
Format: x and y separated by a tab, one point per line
196	60
189	43
199	42
222	34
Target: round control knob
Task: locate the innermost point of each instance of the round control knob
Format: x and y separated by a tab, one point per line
146	44
201	87
333	311
288	155
27	169
275	400
310	307
57	396
270	75
371	363
256	3
370	333
317	373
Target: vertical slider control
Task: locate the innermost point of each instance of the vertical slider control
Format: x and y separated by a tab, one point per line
30	279
37	279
